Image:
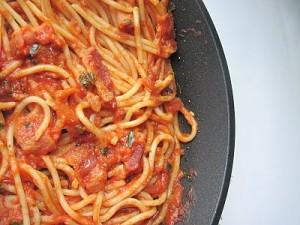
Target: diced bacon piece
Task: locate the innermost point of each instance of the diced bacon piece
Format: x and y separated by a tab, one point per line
25	129
41	44
89	165
95	181
133	162
93	61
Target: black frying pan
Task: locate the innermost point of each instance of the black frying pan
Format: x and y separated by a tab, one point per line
204	85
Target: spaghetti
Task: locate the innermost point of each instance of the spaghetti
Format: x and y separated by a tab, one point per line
89	130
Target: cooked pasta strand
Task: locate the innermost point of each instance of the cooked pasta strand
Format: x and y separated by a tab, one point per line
89	111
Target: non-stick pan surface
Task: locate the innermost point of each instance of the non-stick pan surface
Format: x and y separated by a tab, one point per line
204	85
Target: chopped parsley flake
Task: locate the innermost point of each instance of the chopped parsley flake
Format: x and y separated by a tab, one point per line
87	79
34	50
130	139
104	151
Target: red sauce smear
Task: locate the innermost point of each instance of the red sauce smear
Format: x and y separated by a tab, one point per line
165	35
176	209
174	105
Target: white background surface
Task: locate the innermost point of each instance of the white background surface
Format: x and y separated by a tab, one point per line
261	40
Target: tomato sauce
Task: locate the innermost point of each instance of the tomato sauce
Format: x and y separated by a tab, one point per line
3	58
66	111
158	119
175	209
18	9
92	163
42	82
149	81
13	90
60	220
165	34
34	160
160	185
174	106
119	114
8	215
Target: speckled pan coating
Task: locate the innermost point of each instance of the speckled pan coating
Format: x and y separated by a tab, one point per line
203	77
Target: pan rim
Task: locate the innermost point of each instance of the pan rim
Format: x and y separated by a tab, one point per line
231	113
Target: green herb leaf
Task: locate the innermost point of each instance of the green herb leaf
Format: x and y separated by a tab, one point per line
130	139
187	176
87	79
104	151
34	50
127	21
1	126
9	93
